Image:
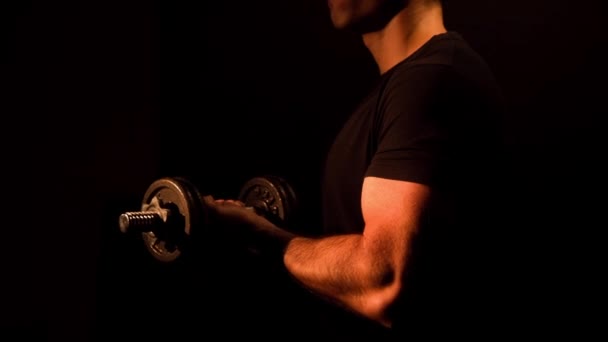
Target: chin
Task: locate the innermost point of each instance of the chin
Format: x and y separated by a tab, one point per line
366	19
344	23
339	20
359	27
340	25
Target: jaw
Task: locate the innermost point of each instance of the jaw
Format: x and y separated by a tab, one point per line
364	16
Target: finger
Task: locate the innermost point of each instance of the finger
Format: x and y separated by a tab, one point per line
236	202
211	205
229	202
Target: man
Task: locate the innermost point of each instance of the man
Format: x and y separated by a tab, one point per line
406	198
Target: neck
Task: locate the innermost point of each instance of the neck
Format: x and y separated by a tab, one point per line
411	28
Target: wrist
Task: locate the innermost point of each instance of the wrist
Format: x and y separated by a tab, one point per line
271	238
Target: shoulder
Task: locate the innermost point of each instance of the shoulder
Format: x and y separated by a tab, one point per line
444	70
417	88
446	59
448	49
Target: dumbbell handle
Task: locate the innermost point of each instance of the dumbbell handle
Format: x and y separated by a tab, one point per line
141	221
145	221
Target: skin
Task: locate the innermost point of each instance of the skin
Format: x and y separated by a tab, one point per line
390	31
363	273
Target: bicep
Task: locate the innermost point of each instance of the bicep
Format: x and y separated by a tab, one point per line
391	211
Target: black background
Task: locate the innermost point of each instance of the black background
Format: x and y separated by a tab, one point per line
100	98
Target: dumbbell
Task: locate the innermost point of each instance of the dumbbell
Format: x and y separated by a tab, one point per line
173	207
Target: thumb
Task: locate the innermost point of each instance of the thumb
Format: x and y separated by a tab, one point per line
209	201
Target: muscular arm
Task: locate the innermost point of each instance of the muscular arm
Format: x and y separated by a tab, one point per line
363	271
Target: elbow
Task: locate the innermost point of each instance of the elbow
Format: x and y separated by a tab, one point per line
381	299
385	284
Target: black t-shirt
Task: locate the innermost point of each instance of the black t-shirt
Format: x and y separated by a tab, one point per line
433	119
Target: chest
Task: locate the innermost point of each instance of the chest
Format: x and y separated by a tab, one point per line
354	146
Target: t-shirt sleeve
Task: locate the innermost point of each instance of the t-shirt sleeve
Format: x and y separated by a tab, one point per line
413	139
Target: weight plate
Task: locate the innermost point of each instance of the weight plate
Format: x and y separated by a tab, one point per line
271	196
289	197
177	197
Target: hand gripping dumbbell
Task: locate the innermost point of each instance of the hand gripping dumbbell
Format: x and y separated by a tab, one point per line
173	207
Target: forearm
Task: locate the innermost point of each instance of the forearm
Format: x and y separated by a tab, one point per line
336	266
330	265
344	270
267	238
347	270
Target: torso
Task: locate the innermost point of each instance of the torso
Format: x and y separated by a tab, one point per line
475	109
